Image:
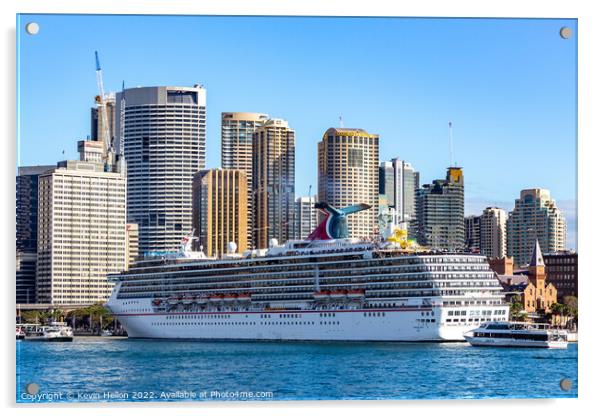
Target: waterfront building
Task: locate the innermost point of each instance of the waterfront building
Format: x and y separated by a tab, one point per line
493	232
164	146
26	277
536	294
132	248
306	216
535	217
81	232
562	270
27	207
348	174
398	182
273	182
91	150
220	210
440	212
472	232
237	151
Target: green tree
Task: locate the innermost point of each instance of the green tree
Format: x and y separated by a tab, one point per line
516	308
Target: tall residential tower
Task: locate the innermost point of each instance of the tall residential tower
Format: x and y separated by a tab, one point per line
535	217
273	182
440	212
237	152
348	175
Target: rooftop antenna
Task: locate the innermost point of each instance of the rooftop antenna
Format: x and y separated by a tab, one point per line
309	192
451	146
341	121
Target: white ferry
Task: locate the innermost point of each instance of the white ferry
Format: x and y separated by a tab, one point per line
517	334
325	288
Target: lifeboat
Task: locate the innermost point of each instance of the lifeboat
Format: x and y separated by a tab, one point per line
244	297
173	300
203	299
338	294
322	294
230	297
356	293
216	298
188	299
156	302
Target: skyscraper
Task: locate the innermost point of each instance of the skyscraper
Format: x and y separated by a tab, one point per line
132	243
306	216
164	145
81	232
398	181
348	174
440	212
237	152
535	217
273	182
472	232
220	209
493	232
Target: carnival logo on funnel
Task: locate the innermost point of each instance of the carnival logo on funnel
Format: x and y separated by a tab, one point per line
335	224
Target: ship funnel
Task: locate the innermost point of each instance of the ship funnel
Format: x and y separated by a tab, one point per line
334	226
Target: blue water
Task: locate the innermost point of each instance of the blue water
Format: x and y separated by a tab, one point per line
90	368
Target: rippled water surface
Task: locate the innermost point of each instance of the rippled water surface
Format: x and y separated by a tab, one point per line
108	369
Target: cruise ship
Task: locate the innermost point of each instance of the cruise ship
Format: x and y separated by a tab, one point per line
328	287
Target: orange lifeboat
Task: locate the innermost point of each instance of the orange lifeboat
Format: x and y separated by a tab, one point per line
321	295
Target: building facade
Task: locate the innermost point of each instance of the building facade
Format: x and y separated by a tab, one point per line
306	216
26	277
273	183
472	232
493	232
164	146
96	126
81	232
535	217
562	272
220	210
237	152
348	174
398	182
27	207
131	231
440	212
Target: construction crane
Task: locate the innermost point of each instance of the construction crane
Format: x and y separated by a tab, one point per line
104	133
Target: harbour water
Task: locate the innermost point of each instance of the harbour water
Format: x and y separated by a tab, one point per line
92	369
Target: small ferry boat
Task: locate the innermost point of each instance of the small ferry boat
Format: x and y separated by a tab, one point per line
55	332
20	333
517	334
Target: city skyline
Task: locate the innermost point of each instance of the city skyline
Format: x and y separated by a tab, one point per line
412	125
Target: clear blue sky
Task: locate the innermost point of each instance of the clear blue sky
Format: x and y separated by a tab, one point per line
508	86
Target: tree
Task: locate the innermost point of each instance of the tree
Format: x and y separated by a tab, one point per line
516	308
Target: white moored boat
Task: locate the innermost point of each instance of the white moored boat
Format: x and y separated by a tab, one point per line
517	334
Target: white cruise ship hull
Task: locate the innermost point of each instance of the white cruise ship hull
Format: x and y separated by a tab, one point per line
401	325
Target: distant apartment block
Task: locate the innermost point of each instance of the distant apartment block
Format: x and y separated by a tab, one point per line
472	232
237	151
220	210
398	182
306	216
493	232
535	217
440	212
273	182
348	174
